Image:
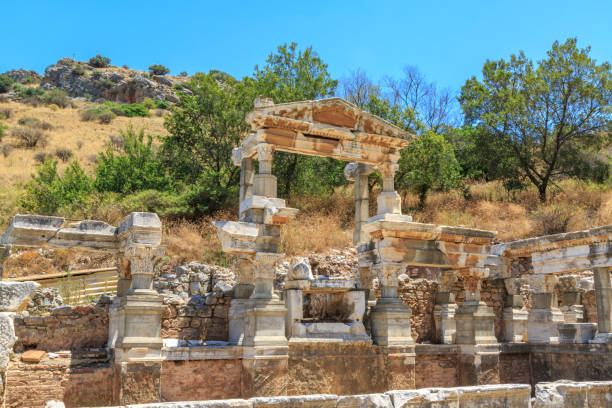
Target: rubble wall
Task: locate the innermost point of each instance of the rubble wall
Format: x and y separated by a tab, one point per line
78	381
436	369
200	379
200	318
65	328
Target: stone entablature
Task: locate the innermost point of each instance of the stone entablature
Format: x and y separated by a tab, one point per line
327	127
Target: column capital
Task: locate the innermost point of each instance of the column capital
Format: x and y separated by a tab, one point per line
265	152
142	258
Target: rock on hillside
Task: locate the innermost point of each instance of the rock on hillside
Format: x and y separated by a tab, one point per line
23	76
79	79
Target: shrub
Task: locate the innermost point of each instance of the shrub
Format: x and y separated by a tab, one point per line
96	74
49	191
552	218
137	168
57	97
164	203
99	61
32	101
183	73
24	92
63	153
5	83
41	157
101	113
151	103
106	117
29	137
6	113
34	123
135	109
78	70
6	150
79	144
158	69
2	130
117	142
124	66
159	113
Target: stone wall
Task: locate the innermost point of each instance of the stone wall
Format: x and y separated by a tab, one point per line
201	379
420	295
436	369
199	318
65	328
78	380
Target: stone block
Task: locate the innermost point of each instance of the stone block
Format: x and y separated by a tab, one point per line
515	323
560	394
445	323
475	323
425	398
576	333
228	403
301	401
265	323
364	401
542	325
14	296
389	203
7	338
33	356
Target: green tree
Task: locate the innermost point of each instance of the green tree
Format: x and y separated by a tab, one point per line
99	61
158	69
205	125
428	163
49	191
5	83
291	75
138	167
547	119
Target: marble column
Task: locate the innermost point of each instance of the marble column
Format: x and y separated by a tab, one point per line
445	308
359	173
603	297
390	318
247	174
389	201
515	315
544	315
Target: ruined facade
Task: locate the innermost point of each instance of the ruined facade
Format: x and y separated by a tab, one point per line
488	322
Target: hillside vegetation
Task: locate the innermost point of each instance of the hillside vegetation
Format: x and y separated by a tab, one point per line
523	151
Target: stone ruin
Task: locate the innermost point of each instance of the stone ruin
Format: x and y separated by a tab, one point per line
343	336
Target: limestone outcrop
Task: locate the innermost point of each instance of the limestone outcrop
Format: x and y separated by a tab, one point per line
23	76
112	84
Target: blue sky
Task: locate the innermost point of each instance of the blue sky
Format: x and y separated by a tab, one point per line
448	40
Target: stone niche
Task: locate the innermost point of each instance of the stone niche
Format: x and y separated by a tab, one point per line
325	309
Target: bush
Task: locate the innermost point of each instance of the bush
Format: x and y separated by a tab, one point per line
158	69
552	218
63	153
101	113
106	117
137	168
2	131
41	157
78	70
24	92
99	61
29	137
183	73
57	97
34	123
6	113
5	83
163	203
48	191
155	104
116	142
134	110
6	150
159	113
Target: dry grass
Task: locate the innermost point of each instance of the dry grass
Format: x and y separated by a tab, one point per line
69	132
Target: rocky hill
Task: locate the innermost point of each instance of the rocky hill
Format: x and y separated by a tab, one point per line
116	84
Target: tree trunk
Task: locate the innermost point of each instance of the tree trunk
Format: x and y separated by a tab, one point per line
422	198
542	192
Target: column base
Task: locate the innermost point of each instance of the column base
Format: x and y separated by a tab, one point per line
573	314
390	320
264	371
446	325
264	323
542	326
478	365
515	323
138	337
475	323
137	383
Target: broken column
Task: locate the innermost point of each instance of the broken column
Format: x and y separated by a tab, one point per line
359	172
445	308
571	299
544	315
389	201
603	297
515	315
